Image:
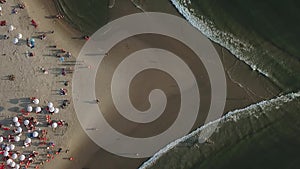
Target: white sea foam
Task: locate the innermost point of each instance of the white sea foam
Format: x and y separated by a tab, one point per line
237	48
235	115
227	40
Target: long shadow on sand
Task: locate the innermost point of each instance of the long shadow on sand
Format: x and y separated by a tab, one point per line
19	100
14	109
1	109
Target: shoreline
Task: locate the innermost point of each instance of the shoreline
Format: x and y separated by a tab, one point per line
78	21
243	49
63	29
232	116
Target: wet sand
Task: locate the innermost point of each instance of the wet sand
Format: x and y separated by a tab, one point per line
241	92
244	87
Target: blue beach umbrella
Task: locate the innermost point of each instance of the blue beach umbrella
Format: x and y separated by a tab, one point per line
62	59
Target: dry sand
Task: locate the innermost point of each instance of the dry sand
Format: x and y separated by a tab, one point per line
29	79
31	82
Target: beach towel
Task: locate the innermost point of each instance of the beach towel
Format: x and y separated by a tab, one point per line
2	23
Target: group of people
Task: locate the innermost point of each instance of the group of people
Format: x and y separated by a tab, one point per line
29	128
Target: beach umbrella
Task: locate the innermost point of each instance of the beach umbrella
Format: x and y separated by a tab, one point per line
38	109
28	140
12	147
35	134
17	124
29	108
14	156
11	28
36	101
15	40
17	138
22	157
26	122
50	104
7	148
5	154
9	161
15	119
56	110
12	164
19	36
51	109
1	139
17	166
19	129
54	125
62	59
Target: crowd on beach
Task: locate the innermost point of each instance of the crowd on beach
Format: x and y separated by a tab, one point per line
24	138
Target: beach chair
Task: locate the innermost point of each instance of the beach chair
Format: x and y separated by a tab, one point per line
34	23
2	23
24	112
5	128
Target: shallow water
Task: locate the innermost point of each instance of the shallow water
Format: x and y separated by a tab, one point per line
266	135
87	16
266	138
248	30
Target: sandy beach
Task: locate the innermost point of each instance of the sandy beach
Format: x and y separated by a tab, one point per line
244	86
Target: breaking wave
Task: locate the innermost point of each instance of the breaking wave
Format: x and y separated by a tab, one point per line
254	110
227	40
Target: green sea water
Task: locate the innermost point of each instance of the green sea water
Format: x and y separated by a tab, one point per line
263	137
86	16
270	26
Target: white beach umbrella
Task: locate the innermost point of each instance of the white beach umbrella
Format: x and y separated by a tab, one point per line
9	161
5	154
15	119
11	28
38	109
19	36
12	164
29	108
15	40
17	138
19	130
26	122
17	166
7	148
14	156
28	140
22	157
54	125
1	139
17	124
35	134
50	104
36	101
56	110
51	109
12	147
